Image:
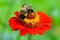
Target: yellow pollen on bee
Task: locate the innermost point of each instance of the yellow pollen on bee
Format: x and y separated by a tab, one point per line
25	14
32	13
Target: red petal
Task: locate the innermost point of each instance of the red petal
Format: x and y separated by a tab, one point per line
46	26
41	32
32	30
43	28
23	32
17	13
45	22
44	18
15	24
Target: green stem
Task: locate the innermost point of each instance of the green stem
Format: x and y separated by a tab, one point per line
29	37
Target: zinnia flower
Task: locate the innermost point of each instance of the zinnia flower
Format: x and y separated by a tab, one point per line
39	25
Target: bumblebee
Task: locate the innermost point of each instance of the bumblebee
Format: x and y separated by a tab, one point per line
26	12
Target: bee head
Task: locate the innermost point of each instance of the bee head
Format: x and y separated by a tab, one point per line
23	14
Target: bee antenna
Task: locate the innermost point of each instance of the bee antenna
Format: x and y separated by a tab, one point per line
24	4
30	5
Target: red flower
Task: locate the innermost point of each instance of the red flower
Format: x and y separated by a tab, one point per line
44	24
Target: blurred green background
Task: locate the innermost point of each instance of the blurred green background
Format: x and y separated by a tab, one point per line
50	7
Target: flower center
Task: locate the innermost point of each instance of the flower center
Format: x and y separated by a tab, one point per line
31	22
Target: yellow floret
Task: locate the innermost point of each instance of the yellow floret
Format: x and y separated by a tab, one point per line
32	21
